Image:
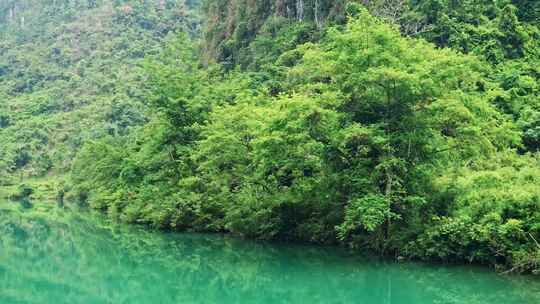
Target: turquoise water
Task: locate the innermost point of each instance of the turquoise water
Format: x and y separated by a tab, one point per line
72	257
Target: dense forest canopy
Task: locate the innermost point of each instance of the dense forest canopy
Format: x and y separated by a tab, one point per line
409	128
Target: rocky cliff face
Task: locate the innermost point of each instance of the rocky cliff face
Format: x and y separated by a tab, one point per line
237	22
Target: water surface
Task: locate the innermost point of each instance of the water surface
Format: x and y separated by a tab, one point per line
60	256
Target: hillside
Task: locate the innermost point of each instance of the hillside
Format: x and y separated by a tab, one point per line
409	129
70	72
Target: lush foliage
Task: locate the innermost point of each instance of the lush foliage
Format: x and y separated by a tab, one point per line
407	128
69	72
361	137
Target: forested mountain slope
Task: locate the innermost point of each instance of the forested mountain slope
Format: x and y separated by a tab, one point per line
69	72
408	128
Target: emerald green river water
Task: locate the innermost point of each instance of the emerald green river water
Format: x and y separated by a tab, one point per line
57	256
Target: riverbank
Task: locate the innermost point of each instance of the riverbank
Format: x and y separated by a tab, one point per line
43	189
49	209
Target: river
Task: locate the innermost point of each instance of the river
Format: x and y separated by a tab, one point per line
53	255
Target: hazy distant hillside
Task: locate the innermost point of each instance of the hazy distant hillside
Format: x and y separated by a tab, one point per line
69	72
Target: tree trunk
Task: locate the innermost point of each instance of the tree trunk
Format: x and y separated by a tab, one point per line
300	10
316	14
